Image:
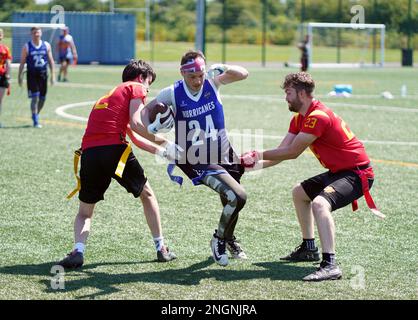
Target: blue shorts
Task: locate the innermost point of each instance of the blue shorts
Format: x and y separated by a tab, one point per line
197	172
67	56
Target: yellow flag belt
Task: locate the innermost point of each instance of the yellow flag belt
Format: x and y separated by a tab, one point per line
118	172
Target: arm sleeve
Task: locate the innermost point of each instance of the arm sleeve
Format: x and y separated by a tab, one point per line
293	127
166	96
138	92
315	125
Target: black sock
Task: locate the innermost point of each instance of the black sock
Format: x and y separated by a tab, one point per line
309	244
329	258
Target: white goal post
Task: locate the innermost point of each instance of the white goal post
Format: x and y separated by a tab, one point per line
30	25
353	26
20	34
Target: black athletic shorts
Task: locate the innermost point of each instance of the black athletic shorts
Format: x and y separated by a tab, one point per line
4	83
98	165
194	171
340	189
37	83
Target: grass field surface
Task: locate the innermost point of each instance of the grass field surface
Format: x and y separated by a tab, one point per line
168	51
379	258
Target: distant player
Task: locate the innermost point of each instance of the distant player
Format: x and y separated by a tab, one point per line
105	154
350	174
207	156
304	49
5	59
67	52
37	56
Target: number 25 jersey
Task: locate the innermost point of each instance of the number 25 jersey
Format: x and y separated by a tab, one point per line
37	58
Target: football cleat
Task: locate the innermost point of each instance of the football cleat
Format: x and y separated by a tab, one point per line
235	249
219	250
301	253
73	260
165	255
325	271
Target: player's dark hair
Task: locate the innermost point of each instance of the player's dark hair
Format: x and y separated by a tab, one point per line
191	54
34	29
137	68
299	81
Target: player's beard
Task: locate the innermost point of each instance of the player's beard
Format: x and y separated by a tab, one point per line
295	105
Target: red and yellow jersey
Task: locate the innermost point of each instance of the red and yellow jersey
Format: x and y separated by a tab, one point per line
336	147
4	55
109	117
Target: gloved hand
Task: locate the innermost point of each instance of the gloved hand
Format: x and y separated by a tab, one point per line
171	151
157	126
217	69
250	159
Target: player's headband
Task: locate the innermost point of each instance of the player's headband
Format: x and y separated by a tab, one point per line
193	65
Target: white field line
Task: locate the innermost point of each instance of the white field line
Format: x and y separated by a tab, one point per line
273	98
61	111
279	99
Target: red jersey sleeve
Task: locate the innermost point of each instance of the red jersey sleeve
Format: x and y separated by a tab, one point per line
316	123
294	126
138	91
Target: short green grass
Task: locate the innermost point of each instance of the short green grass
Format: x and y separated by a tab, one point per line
36	219
168	51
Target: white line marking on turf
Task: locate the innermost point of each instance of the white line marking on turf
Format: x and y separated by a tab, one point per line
107	87
399	143
373	107
279	99
61	112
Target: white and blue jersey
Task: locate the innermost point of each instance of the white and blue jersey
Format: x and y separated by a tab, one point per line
37	58
200	125
64	47
200	132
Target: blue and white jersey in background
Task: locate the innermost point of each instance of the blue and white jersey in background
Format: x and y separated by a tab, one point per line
200	125
37	58
64	46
